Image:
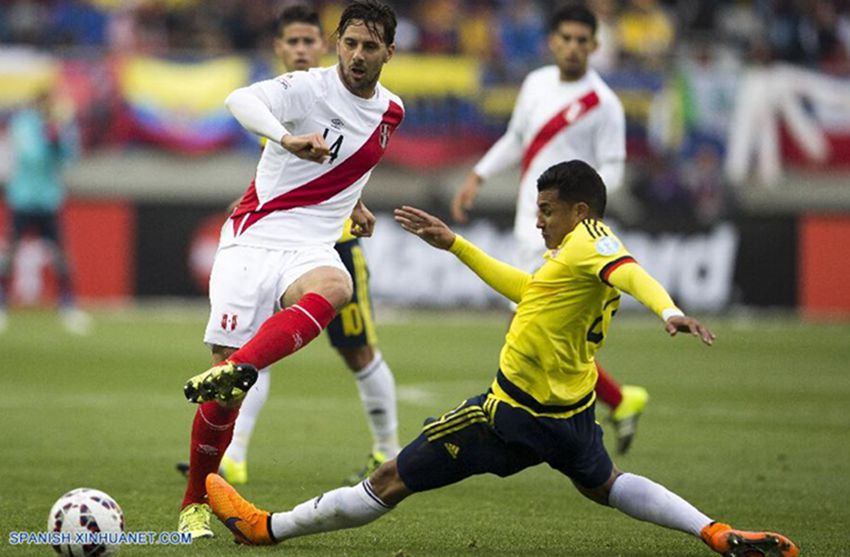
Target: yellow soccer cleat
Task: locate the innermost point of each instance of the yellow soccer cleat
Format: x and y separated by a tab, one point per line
250	525
729	542
236	473
195	520
225	382
373	461
625	417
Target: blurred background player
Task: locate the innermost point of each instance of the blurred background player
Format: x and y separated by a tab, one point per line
299	45
536	410
327	128
43	139
563	111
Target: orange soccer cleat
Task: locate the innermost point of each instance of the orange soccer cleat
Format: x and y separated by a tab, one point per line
723	539
250	525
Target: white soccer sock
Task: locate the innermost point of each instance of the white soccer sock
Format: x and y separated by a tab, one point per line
376	385
345	507
247	419
646	500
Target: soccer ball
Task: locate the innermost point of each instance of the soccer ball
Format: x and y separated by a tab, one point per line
85	511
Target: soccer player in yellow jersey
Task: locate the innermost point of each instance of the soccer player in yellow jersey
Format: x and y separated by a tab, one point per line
540	408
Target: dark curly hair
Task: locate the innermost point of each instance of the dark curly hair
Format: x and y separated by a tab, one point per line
372	13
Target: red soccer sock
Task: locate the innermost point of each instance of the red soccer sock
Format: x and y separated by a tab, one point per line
607	389
286	331
212	431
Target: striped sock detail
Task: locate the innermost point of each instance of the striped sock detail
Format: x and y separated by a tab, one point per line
214	427
367	487
307	313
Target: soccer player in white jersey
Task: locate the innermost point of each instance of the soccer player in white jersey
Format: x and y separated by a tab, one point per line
299	44
326	128
564	111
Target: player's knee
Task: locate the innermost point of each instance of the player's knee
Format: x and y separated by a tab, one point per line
337	291
388	485
357	358
600	494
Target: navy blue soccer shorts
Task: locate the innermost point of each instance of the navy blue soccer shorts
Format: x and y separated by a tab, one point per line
353	327
486	436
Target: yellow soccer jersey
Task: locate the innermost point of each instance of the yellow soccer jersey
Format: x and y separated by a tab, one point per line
562	316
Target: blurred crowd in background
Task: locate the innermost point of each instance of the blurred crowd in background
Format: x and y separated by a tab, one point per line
508	33
679	66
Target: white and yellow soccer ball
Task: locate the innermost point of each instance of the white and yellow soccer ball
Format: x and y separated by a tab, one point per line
86	515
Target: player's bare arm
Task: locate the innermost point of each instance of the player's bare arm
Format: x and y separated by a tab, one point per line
310	147
362	221
464	199
426	226
685	324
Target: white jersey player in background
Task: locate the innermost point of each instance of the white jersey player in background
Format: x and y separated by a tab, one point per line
327	128
564	111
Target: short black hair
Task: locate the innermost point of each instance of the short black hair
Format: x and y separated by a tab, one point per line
573	11
576	181
297	13
372	13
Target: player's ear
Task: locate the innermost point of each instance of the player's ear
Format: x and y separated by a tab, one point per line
582	210
390	52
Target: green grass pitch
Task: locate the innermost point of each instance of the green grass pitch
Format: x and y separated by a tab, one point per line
754	431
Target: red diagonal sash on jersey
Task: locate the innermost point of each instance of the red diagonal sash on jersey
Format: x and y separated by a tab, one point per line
561	120
328	184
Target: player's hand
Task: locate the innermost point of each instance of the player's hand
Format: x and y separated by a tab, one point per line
362	221
465	197
685	324
426	226
233	205
310	147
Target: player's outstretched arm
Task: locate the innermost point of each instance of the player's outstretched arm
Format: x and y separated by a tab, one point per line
505	279
362	221
633	279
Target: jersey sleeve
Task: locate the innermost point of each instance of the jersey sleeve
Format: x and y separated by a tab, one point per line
505	279
610	144
635	281
595	252
507	151
290	97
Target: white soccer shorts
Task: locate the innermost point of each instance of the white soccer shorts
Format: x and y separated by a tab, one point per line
247	284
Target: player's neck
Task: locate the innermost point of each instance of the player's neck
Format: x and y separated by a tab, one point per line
572	77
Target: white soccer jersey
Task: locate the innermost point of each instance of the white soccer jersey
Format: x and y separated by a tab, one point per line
294	202
555	121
